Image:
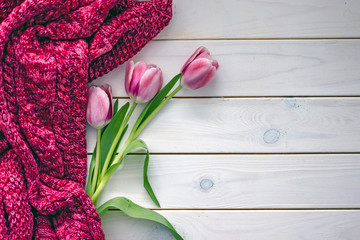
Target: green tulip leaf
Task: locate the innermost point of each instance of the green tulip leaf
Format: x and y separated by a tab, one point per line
147	185
115	110
116	106
137	143
118	143
135	211
110	133
159	97
91	173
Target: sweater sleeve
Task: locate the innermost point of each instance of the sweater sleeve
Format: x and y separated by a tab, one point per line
114	29
6	6
128	28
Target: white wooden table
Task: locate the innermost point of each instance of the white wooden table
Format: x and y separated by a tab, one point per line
271	148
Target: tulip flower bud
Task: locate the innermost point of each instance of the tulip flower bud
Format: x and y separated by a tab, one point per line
142	81
100	106
199	69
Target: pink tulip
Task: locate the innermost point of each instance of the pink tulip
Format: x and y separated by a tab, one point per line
142	81
100	106
199	69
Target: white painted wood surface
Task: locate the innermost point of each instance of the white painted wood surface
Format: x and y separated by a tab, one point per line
249	225
271	148
209	19
255	125
242	181
260	68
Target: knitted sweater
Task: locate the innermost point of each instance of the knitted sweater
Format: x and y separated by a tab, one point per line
50	50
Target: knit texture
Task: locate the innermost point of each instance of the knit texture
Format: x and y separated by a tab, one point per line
50	50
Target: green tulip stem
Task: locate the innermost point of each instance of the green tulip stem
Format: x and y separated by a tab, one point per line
97	161
132	136
118	157
132	108
156	110
116	140
103	181
95	196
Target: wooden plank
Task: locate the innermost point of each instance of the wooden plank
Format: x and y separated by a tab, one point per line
248	125
234	225
263	19
260	68
241	181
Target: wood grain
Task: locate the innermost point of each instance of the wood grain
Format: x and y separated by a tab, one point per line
263	125
263	19
274	56
260	68
241	181
234	225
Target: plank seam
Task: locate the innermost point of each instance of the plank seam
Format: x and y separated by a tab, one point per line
256	39
250	209
241	154
255	97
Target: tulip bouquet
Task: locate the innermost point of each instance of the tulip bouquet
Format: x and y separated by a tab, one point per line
143	84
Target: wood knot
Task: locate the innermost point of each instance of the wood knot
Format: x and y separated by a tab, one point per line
271	136
206	184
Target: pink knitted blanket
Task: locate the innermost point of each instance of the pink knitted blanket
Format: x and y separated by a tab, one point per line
50	50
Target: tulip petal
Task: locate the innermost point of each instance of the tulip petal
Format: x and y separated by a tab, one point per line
108	90
128	75
198	74
204	55
98	107
215	64
198	52
150	84
139	70
209	77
